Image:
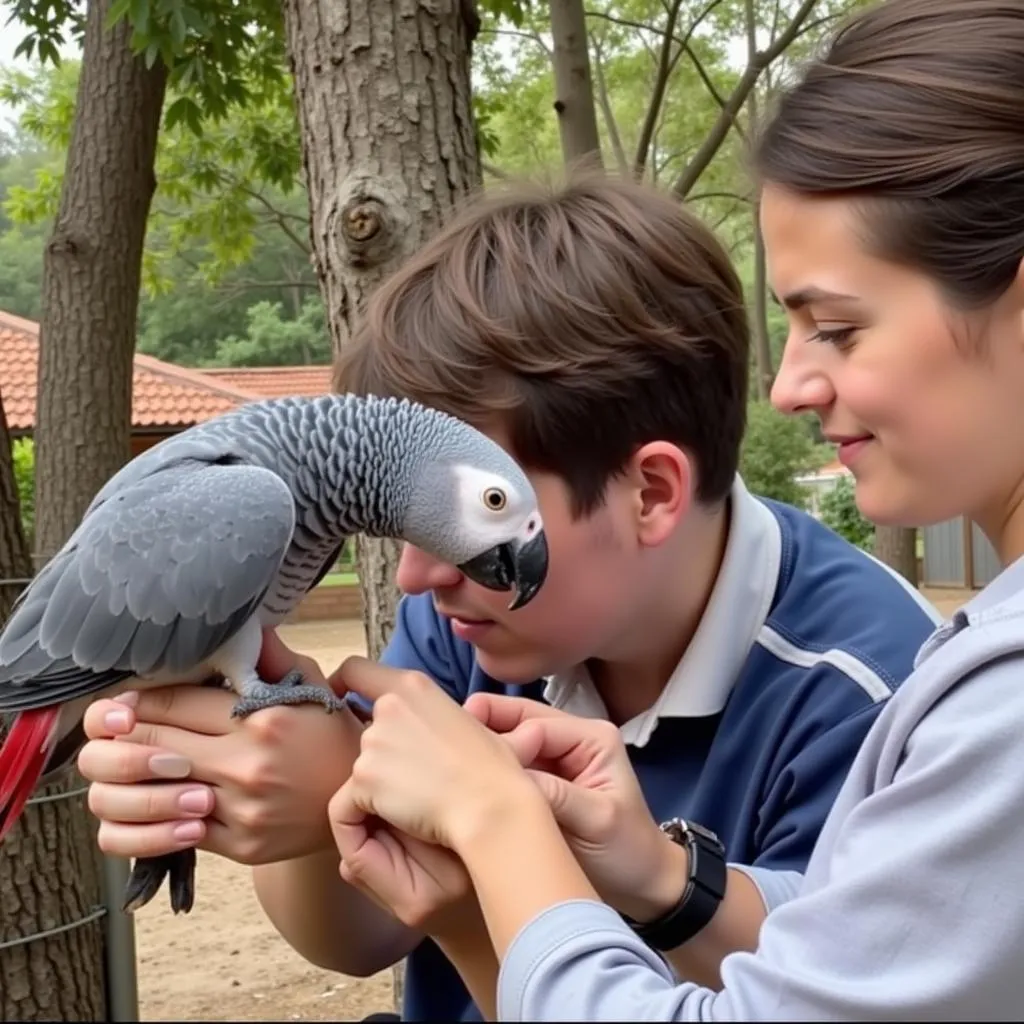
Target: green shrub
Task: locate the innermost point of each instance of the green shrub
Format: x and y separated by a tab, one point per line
839	512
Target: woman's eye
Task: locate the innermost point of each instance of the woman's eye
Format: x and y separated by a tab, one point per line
833	335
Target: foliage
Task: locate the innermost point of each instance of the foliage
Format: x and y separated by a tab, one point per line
839	511
776	449
24	476
272	340
223	183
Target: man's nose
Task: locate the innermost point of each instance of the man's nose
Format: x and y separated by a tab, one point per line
419	572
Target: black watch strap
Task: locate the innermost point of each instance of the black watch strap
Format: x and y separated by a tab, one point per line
702	894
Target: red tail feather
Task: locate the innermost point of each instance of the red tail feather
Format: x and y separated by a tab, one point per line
22	760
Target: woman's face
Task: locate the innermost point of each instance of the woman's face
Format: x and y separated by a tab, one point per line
925	403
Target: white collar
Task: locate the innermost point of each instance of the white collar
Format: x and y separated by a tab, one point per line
736	611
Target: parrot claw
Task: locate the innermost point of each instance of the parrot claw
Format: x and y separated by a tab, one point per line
148	874
292	689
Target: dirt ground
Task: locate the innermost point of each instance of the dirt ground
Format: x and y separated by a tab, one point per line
224	961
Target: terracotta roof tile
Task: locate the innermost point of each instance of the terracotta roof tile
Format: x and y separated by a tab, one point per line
164	396
276	381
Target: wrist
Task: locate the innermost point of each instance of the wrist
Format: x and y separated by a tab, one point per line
662	887
513	809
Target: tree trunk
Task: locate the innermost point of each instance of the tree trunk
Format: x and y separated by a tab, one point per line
15	562
574	89
389	149
49	864
897	547
762	345
91	275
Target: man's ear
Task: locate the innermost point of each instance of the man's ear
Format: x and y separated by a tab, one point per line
663	481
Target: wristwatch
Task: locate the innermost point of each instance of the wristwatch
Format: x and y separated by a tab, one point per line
702	894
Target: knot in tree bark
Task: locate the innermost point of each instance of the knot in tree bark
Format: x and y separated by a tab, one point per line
361	221
368	222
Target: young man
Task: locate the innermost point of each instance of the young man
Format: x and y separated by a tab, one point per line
598	331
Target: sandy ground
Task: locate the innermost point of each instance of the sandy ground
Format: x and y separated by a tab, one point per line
224	961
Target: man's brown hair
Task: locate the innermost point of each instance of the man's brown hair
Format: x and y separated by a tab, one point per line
582	319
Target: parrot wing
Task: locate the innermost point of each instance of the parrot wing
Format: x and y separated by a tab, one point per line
157	577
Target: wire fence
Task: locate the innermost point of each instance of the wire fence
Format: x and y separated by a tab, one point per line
119	947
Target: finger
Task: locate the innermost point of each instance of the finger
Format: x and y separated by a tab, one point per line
567	745
348	821
501	713
372	680
112	761
577	810
202	709
123	840
105	719
381	870
150	804
277	659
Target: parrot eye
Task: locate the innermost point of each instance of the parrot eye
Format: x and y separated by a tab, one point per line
494	499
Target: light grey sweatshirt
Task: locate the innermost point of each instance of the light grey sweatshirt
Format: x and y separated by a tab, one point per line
912	906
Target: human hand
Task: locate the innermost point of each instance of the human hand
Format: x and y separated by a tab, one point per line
424	766
582	768
170	769
425	886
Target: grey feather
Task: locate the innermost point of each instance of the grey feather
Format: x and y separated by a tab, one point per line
236	517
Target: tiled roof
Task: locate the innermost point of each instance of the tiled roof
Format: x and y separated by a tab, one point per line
164	396
276	381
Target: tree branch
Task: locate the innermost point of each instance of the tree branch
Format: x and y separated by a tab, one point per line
279	217
533	37
714	139
606	110
494	172
651	118
736	197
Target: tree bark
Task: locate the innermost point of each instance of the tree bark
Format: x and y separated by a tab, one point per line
574	89
762	345
92	269
15	561
49	863
389	148
897	547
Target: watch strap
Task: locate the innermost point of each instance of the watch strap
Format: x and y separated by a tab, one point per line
702	894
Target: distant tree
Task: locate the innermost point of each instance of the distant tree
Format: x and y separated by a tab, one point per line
776	449
838	508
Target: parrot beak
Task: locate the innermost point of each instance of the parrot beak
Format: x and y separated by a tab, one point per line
522	565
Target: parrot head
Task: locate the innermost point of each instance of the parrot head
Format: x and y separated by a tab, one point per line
472	505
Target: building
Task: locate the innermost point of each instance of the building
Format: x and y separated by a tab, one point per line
166	398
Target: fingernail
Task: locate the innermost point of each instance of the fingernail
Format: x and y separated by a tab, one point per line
170	766
117	721
129	698
187	831
196	801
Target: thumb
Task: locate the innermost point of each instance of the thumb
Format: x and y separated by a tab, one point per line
277	659
577	810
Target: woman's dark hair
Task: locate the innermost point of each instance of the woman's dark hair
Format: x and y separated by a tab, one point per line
916	113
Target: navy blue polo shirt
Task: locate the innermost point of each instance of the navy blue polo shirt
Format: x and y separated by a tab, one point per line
804	639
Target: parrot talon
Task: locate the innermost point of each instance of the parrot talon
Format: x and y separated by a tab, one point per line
292	678
258	695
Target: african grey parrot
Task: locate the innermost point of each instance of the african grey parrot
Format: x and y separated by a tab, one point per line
195	545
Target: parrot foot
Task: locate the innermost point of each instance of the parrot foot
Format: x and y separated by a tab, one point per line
292	689
148	874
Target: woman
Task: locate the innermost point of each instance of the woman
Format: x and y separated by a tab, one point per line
892	186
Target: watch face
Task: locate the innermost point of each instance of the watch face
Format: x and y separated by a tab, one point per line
676	829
